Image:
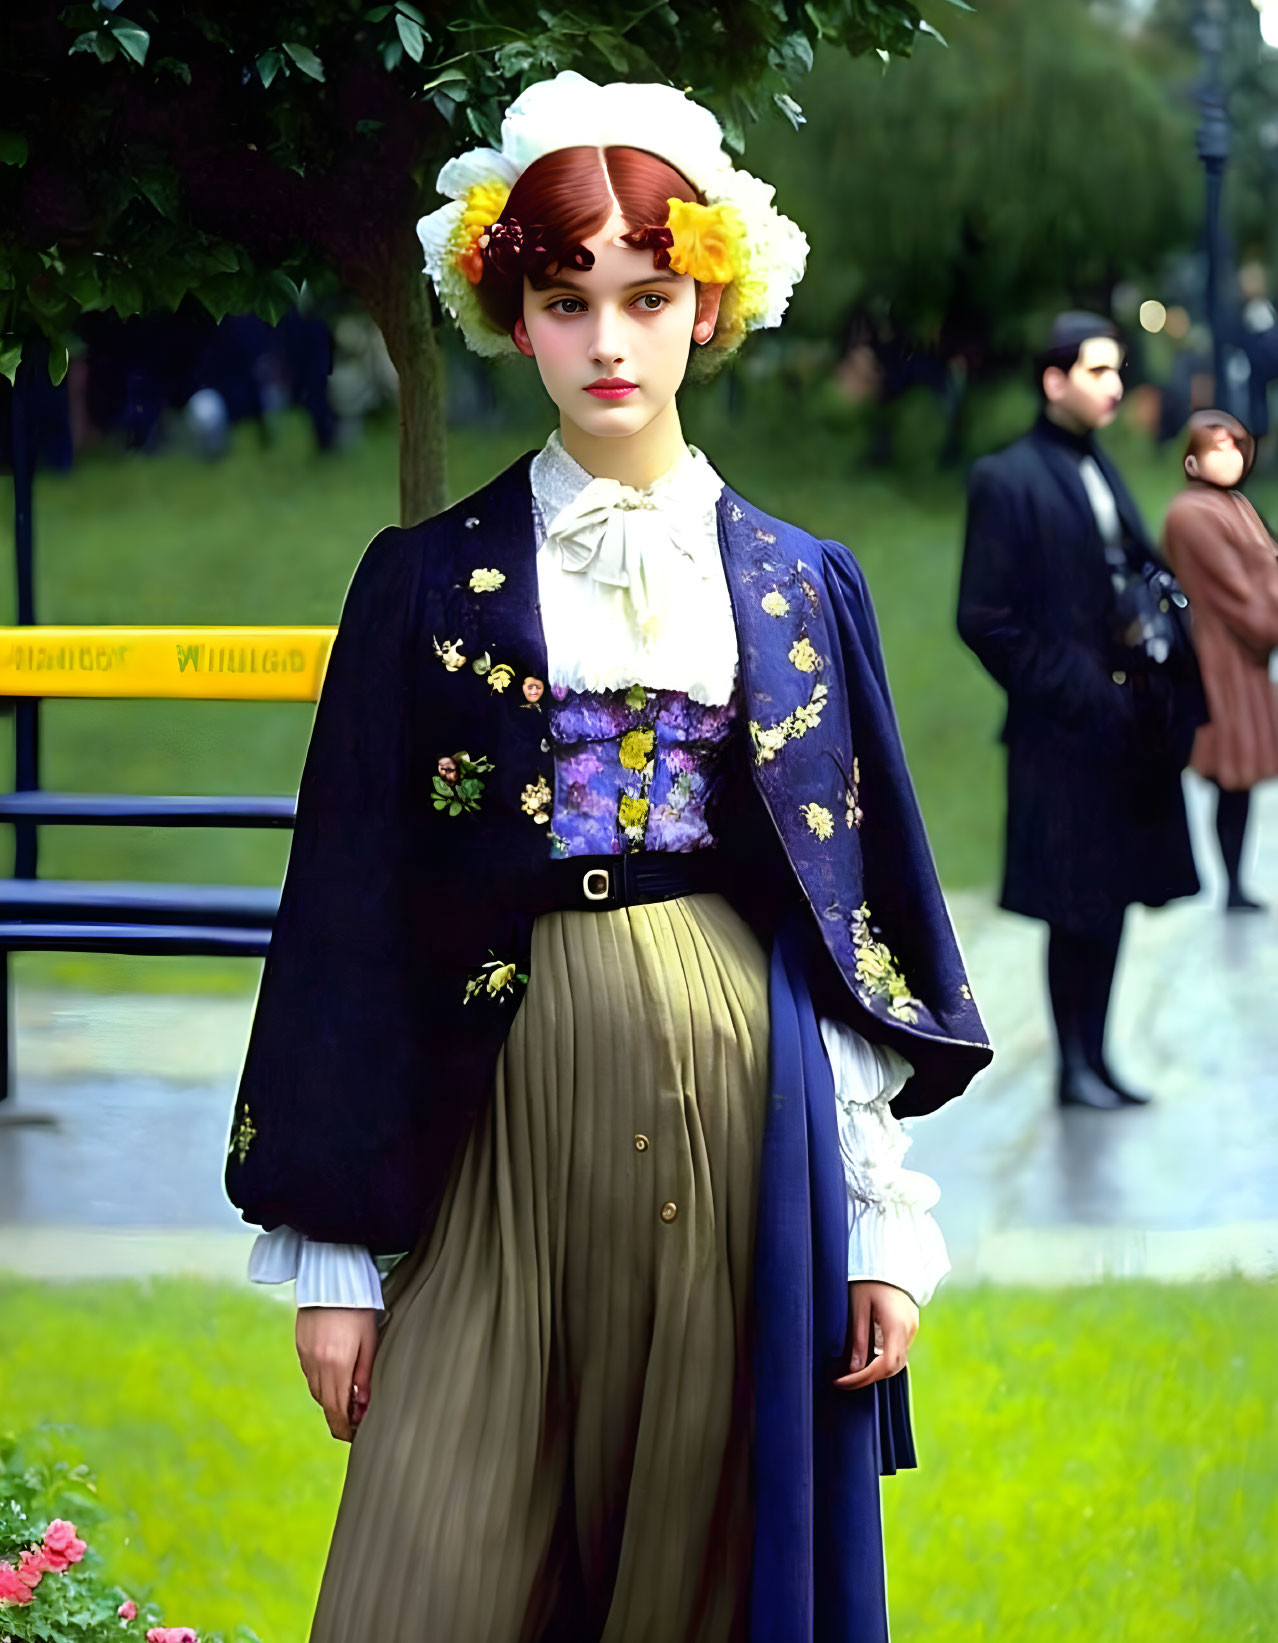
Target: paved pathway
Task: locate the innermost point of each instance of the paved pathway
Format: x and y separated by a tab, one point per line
111	1150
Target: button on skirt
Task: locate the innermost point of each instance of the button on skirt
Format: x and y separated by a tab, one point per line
558	1433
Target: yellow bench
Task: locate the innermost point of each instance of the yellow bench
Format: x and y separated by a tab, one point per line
195	663
201	663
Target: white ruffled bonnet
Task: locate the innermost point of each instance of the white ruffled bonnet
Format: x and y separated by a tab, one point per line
571	110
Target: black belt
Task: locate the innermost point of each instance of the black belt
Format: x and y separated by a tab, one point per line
601	883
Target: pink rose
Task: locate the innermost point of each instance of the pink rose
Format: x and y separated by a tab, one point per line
61	1545
128	1610
171	1634
32	1566
13	1589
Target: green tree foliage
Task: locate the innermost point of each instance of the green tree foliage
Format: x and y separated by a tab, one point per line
229	149
959	195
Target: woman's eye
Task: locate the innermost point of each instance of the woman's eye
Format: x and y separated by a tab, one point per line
651	301
567	305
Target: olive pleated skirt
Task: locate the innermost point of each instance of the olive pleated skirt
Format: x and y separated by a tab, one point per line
557	1444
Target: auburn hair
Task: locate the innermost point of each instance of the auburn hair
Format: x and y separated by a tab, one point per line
568	195
1203	427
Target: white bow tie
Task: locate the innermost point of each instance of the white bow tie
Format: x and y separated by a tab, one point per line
616	533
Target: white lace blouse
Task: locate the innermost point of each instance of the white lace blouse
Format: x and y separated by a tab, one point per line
633	591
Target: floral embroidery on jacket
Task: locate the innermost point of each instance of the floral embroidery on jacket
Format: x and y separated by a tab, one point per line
245	1132
500	676
852	796
768	741
775	603
495	979
819	820
877	970
457	786
535	800
804	656
450	653
486	581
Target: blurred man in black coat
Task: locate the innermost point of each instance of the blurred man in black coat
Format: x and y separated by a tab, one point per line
1066	604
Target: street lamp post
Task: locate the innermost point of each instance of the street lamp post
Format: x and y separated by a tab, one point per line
1213	151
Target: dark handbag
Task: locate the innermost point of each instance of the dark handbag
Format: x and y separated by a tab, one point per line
1149	606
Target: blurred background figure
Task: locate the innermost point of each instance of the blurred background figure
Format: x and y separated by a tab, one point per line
1227	562
363	379
208	423
1059	600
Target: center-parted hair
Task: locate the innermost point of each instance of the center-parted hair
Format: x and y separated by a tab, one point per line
560	201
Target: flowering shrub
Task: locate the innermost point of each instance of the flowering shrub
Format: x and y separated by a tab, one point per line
52	1587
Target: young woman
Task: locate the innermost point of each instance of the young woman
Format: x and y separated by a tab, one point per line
609	933
1227	563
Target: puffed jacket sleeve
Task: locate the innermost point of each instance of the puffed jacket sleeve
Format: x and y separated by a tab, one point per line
339	992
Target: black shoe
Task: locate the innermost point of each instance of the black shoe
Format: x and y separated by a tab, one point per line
1081	1087
1240	902
1129	1098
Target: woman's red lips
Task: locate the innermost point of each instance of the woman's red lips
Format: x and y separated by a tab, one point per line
611	388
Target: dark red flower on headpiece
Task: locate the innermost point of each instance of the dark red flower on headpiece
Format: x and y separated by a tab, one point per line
576	256
656	240
503	248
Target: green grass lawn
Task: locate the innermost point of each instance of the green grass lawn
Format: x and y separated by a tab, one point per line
1097	1463
272	534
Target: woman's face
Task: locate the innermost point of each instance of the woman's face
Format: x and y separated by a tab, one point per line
1221	463
611	342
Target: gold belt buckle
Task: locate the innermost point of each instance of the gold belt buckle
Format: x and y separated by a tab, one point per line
591	879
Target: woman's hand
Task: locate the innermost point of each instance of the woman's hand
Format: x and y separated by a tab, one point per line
897	1318
336	1346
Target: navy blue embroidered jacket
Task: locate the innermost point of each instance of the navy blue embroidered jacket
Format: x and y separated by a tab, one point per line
366	1061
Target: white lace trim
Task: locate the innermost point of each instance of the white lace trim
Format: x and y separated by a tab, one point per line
326	1274
891	1236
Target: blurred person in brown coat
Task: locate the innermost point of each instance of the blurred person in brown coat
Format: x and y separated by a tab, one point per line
1227	562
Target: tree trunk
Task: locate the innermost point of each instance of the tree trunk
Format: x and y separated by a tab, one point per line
399	298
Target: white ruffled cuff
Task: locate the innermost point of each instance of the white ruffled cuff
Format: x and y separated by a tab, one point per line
326	1274
892	1237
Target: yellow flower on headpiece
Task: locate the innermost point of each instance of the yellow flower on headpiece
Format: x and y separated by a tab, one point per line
705	241
483	204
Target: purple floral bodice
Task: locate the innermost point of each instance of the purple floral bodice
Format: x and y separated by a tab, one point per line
634	770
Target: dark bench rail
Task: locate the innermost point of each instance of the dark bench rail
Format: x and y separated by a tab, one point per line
157	919
56	900
171	939
146	810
